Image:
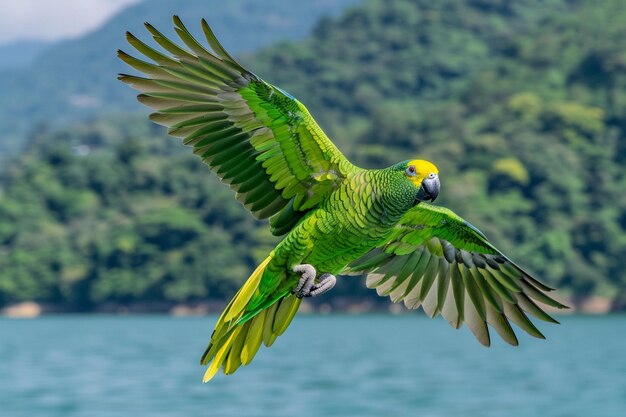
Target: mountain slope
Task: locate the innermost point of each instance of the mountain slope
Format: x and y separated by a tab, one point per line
75	79
20	54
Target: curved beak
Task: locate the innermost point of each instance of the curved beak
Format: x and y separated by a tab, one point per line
429	189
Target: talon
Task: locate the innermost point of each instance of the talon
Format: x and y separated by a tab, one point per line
307	287
307	279
326	282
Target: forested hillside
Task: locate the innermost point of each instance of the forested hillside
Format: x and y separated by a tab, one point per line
98	213
521	104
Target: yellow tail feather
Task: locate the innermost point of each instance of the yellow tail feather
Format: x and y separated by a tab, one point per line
245	293
233	344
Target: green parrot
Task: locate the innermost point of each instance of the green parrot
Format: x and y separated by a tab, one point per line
335	218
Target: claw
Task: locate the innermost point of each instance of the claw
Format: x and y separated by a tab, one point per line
307	287
307	279
326	282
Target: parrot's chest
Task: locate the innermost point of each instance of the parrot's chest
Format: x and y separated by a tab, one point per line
357	217
344	236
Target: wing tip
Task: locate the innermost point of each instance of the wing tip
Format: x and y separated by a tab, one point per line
127	78
178	21
486	343
123	55
130	36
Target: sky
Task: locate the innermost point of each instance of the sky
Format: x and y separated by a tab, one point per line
50	20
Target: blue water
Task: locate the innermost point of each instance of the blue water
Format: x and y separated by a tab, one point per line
323	366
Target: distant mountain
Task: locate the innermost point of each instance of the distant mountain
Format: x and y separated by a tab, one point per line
20	54
75	79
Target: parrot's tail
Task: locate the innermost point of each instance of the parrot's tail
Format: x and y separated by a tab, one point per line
239	331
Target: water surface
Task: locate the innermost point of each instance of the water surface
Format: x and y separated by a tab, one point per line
323	366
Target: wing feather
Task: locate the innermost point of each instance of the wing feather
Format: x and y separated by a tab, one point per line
438	261
234	121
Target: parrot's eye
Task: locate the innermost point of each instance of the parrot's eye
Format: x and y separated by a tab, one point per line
410	171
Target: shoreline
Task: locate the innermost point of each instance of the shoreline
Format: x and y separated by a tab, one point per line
594	305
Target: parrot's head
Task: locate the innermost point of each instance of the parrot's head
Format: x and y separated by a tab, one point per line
424	176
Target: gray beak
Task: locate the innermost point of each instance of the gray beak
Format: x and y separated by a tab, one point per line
429	189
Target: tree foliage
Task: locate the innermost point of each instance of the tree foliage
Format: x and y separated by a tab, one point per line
521	104
115	211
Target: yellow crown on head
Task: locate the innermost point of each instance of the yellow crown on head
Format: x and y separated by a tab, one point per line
422	170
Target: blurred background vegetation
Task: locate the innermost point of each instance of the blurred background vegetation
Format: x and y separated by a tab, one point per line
521	104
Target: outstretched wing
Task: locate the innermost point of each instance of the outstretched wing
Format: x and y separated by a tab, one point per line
439	261
256	137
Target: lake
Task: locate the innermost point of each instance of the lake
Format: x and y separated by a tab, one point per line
335	365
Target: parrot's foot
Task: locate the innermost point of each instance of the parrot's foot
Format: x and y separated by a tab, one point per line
325	283
307	287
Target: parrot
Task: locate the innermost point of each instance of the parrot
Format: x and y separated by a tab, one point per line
334	218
